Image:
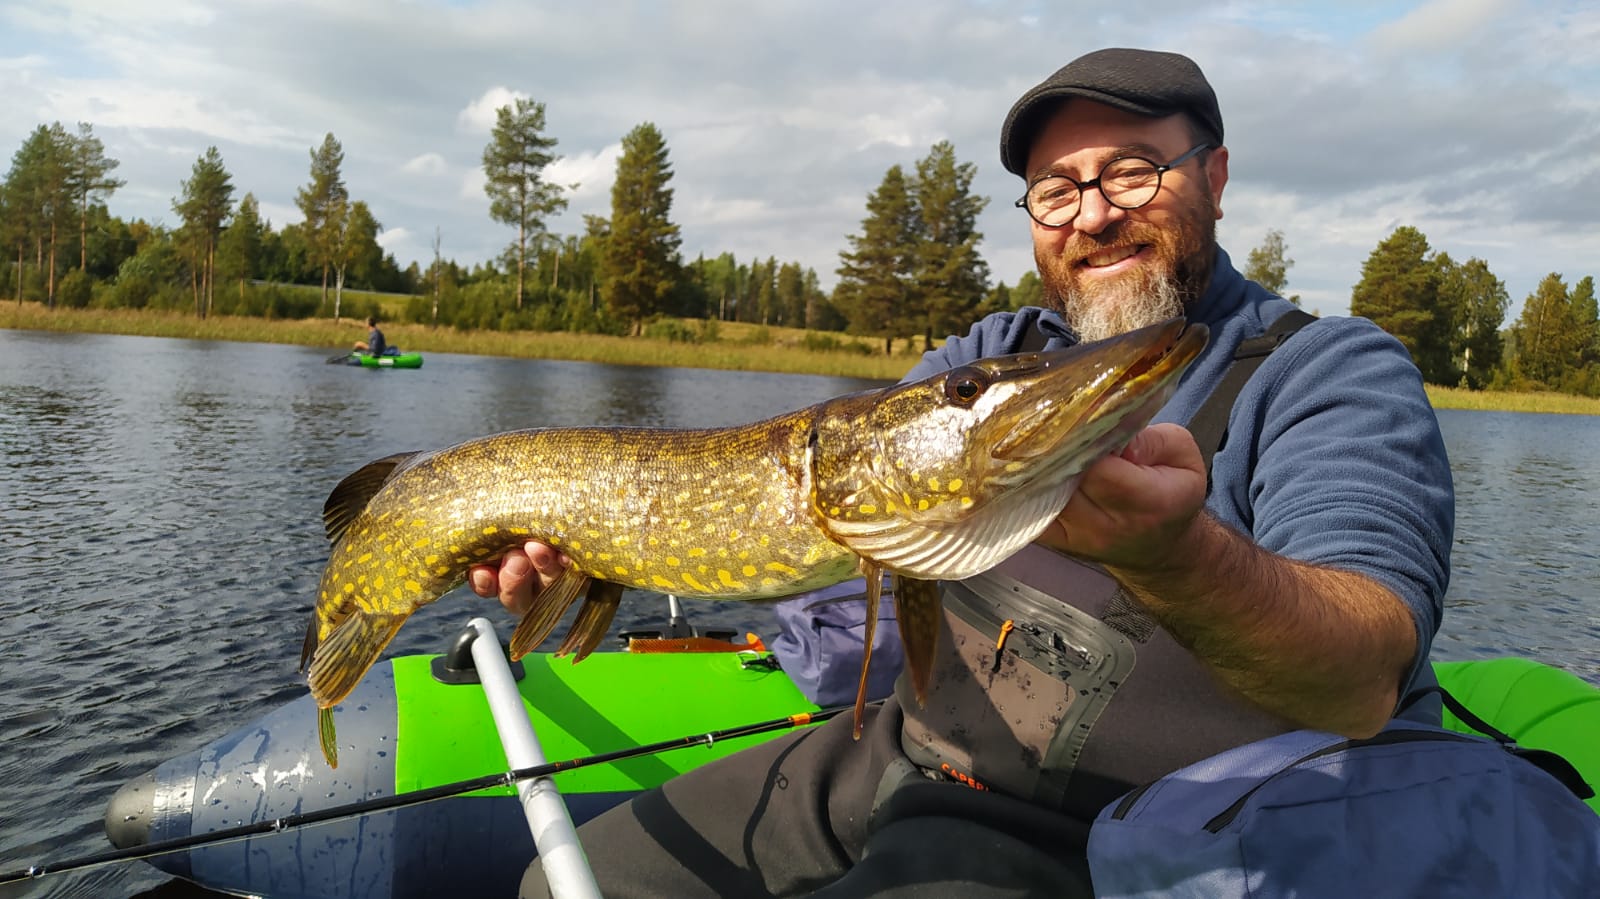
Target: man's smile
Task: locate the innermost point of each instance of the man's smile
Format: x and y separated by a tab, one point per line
1113	259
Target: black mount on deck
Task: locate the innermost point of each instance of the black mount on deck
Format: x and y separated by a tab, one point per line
456	667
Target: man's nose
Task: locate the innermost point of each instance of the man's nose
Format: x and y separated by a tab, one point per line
1095	212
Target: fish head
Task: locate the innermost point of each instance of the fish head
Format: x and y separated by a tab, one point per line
947	476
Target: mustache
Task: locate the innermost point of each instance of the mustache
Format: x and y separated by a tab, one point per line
1081	245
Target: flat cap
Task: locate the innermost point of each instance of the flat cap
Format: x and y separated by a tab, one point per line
1144	82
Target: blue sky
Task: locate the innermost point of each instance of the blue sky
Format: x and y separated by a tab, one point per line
1476	121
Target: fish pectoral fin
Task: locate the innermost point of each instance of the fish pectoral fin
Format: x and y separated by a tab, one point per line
594	619
354	492
918	607
873	572
546	611
341	661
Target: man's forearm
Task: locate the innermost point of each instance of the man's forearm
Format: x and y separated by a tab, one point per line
1323	648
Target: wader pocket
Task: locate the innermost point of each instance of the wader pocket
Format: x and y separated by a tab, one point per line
1010	707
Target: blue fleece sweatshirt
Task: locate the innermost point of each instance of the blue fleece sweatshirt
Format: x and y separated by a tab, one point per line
1333	454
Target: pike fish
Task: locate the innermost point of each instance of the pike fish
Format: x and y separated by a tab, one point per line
938	479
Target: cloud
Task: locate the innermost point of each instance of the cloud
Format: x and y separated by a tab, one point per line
426	164
479	116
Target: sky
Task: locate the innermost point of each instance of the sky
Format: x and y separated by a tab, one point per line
1475	121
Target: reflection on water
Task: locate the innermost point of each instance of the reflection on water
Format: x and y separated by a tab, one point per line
1526	563
160	538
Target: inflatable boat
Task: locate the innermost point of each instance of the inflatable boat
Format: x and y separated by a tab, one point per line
418	722
392	358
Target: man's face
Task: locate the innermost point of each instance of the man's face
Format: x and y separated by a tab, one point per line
1111	270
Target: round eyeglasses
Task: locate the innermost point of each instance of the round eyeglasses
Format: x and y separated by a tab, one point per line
1126	182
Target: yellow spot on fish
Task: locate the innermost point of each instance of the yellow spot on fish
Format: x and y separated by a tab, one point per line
781	568
620	570
520	532
726	577
555	541
672	561
1014	466
689	579
954	485
696	552
869	509
933	483
377	582
748	571
442	570
349	588
430	560
365	558
966	502
413	586
662	582
619	541
422	543
763	540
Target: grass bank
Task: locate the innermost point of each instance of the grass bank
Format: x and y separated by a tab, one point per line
738	347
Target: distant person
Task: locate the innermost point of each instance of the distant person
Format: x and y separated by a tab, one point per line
375	344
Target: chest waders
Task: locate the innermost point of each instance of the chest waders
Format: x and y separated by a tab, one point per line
1054	685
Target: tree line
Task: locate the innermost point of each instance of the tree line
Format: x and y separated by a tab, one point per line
913	269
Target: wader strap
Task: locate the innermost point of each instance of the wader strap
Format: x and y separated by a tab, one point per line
1210	425
1034	340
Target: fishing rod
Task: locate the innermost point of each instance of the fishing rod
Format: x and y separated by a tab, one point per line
414	797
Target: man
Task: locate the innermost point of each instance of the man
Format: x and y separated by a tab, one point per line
1302	589
375	344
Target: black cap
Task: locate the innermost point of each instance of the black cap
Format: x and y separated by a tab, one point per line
1144	82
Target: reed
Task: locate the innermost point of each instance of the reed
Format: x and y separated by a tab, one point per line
1505	401
740	347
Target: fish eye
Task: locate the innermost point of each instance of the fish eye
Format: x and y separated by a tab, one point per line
964	385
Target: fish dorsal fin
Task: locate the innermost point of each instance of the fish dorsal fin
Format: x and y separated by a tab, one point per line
355	491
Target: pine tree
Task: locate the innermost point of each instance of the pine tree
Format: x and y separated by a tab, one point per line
876	290
951	277
325	203
640	264
239	252
90	179
514	163
206	203
1399	290
1546	348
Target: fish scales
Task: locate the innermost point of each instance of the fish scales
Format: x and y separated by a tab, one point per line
700	513
941	478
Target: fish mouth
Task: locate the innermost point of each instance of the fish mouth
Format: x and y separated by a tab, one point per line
1130	388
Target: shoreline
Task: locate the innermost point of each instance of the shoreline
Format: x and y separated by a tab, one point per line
738	346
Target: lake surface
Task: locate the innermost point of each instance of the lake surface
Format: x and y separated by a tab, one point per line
161	540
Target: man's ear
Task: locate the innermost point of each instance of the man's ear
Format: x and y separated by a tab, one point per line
1217	176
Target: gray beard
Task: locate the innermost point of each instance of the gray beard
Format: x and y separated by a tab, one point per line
1127	305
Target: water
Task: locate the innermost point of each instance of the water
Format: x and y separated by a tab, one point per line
160	540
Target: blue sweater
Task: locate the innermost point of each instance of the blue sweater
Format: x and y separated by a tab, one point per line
1333	454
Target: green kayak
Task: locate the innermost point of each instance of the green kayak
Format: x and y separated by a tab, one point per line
387	360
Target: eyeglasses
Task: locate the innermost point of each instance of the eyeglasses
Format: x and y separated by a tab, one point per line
1126	182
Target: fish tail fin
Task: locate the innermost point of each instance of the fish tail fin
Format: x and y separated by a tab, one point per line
325	736
546	611
594	618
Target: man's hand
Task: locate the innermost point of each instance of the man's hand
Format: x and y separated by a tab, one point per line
520	575
1132	508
